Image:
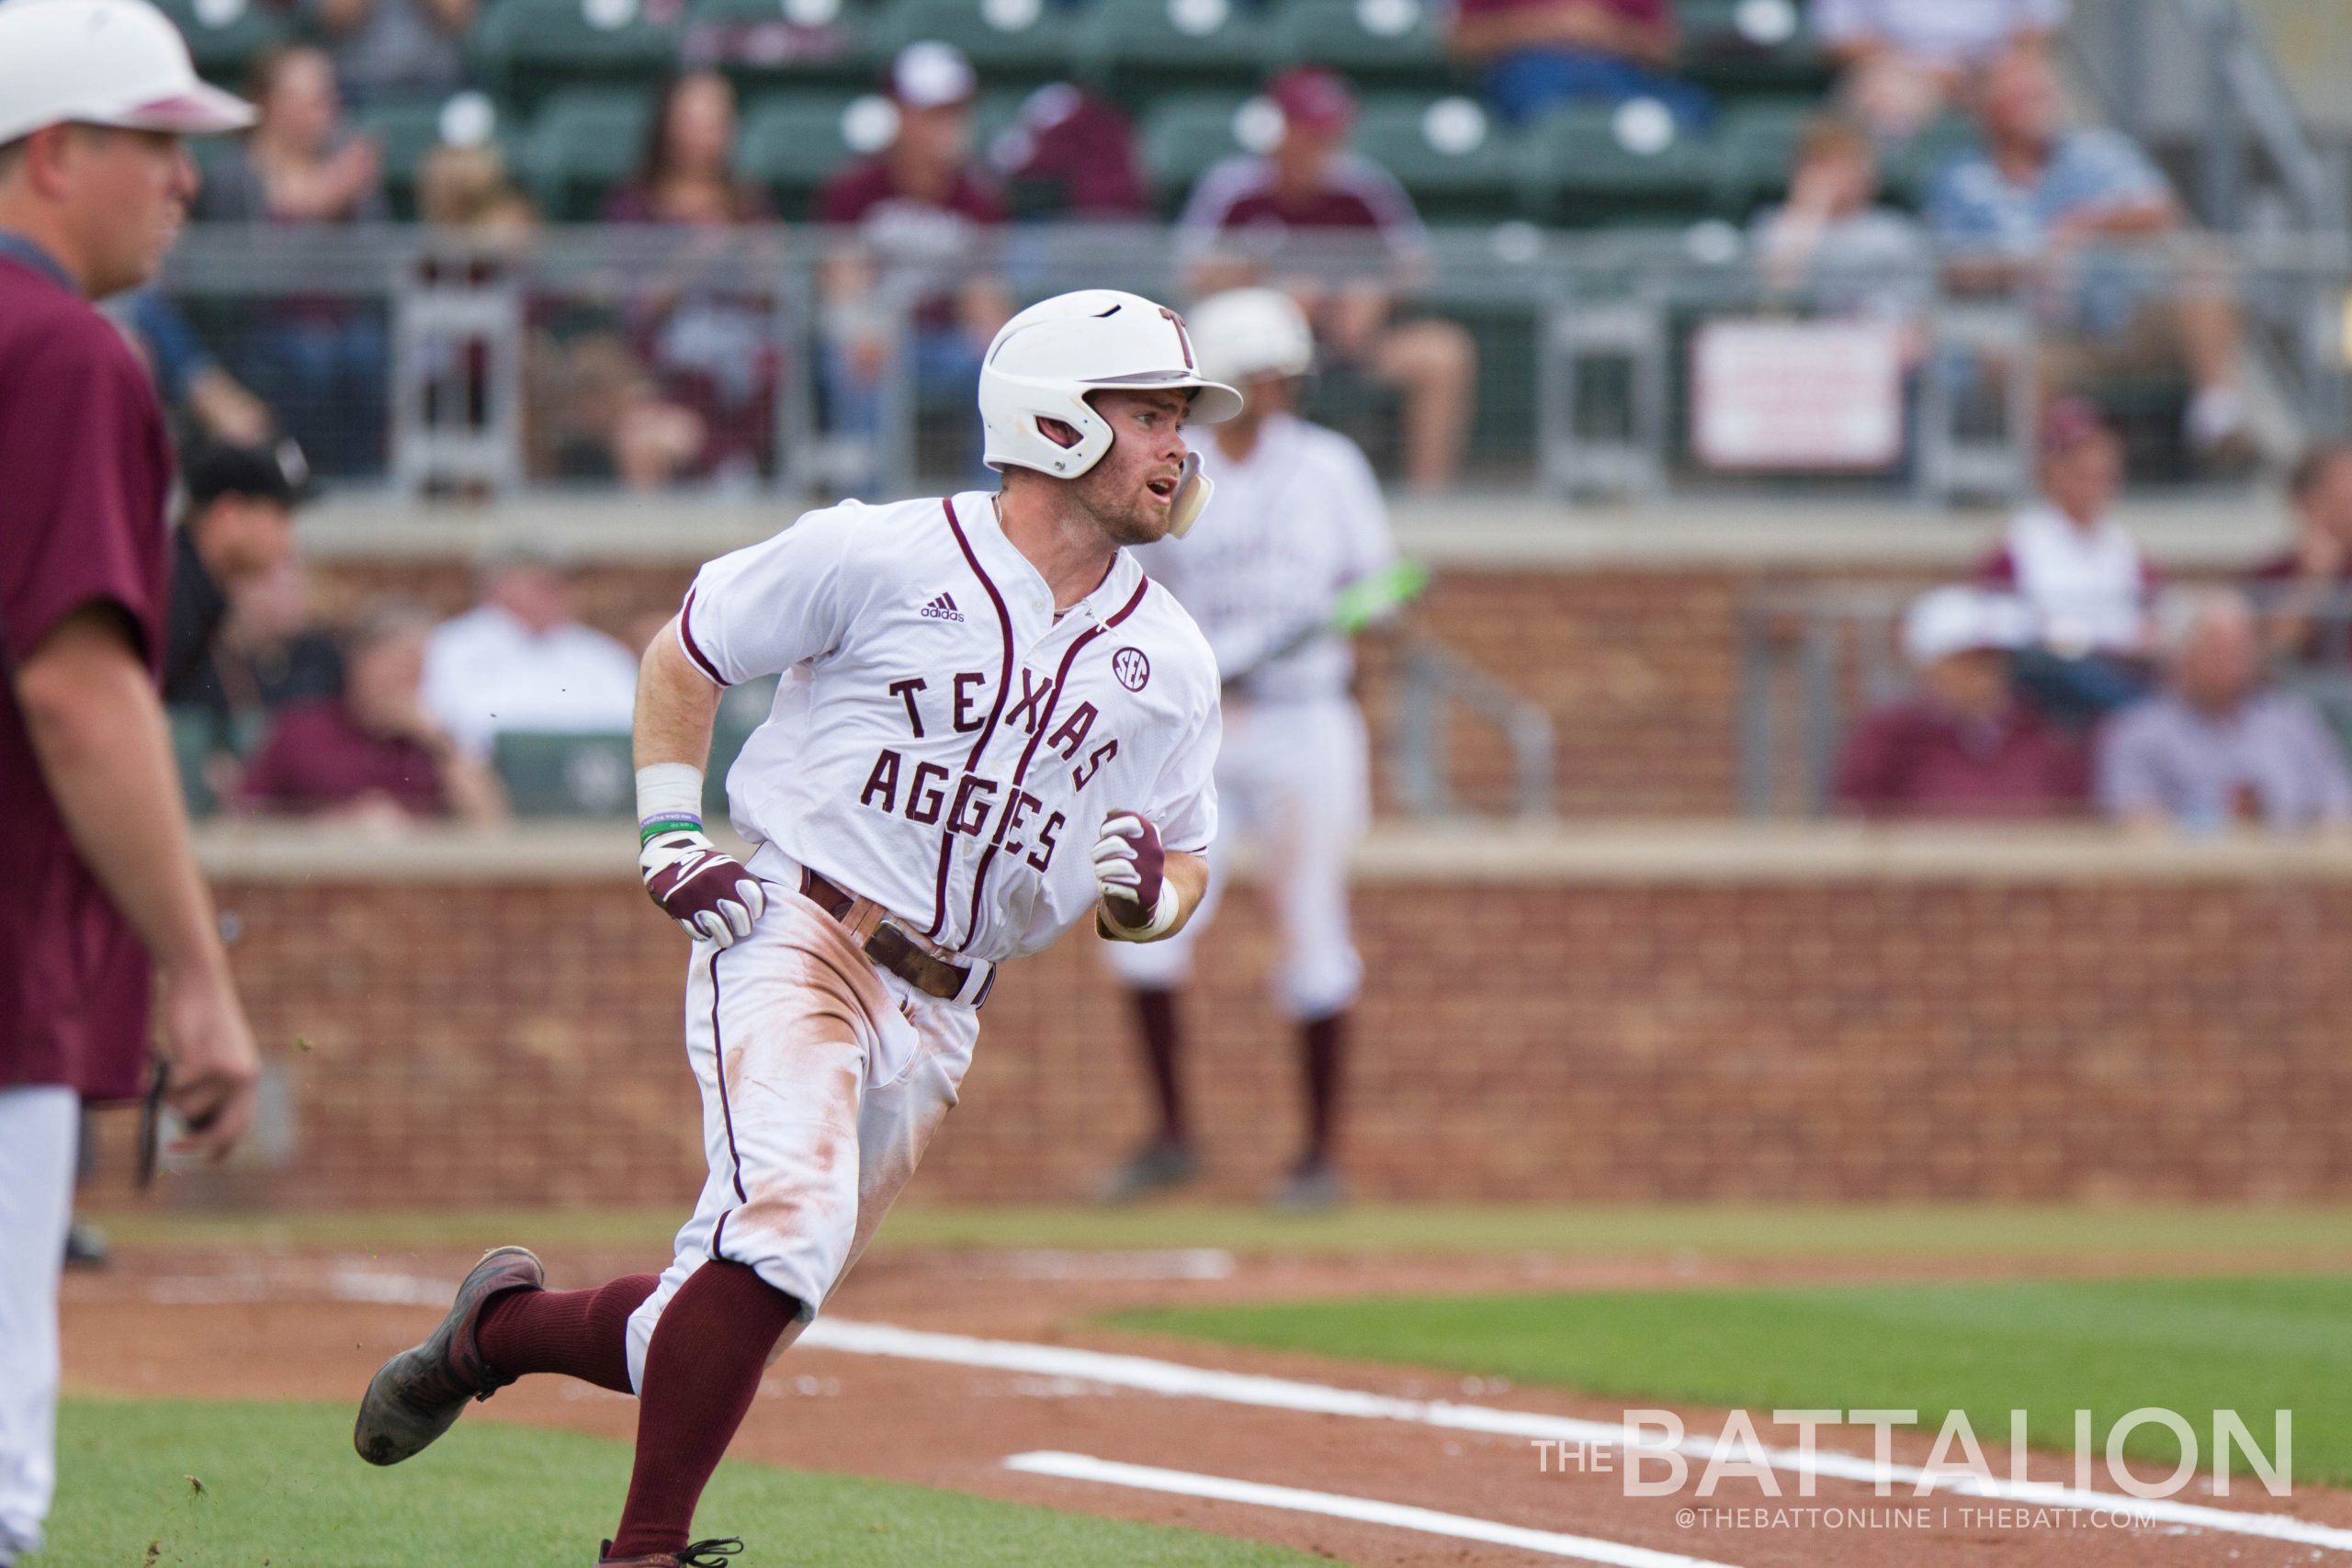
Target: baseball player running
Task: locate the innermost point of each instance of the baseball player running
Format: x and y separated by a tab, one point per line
989	724
98	892
1299	523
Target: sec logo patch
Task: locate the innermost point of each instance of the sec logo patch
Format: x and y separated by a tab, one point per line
1131	667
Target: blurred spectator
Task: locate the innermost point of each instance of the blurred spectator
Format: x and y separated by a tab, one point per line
713	352
1534	54
270	653
205	402
2081	216
2216	745
239	527
520	659
1833	242
2083	577
372	755
1906	59
320	363
466	193
2317	569
1072	153
387	47
920	208
1244	218
1965	745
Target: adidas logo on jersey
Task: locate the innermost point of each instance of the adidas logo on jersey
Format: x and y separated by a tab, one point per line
942	609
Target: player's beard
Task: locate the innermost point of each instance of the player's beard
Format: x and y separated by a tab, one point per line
1121	505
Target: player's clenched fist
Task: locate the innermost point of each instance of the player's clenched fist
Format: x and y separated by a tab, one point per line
1139	903
701	886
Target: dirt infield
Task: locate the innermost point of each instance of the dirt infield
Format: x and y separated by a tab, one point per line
312	1324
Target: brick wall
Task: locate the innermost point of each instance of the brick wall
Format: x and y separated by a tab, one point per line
486	1043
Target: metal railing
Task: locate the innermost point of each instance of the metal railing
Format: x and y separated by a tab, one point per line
1432	681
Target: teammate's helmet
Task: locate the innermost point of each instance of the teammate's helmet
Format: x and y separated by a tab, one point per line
117	63
1244	334
1047	358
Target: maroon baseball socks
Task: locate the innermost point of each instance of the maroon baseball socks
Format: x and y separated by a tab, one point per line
581	1333
1156	1021
1322	1050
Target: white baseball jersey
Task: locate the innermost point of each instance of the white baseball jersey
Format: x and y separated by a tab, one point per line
941	742
1294	523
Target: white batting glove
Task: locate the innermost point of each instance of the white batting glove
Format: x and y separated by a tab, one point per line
703	888
1139	902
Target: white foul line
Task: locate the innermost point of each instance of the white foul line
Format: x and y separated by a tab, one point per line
1283	1394
1461	1527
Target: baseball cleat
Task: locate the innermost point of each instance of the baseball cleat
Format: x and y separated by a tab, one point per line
1158	1166
419	1393
1310	1189
712	1553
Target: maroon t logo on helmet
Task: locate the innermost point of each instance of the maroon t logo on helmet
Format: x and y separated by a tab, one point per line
1183	338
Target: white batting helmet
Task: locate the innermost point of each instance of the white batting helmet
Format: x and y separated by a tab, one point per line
1244	334
1049	357
118	62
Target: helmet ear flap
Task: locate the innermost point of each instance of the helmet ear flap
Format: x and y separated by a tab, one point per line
1193	489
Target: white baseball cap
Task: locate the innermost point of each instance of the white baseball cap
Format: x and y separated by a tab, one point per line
1945	621
117	63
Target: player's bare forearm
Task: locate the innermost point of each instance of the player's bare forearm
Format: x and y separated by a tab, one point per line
96	728
676	704
1189	874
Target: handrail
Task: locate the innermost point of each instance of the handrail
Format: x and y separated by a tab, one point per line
1433	676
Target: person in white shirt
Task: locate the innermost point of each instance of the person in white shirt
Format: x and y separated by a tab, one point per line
520	659
2080	573
990	724
1298	519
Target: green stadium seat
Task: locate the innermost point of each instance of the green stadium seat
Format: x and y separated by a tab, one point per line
1010	42
1182	137
1378	43
408	129
1758	141
581	144
527	50
794	142
740	711
1140	50
1746	46
224	36
1581	168
194	735
765	44
1456	161
582	774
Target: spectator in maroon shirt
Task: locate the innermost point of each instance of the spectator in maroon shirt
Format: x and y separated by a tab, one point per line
1297	219
1072	153
1533	55
1965	745
372	755
919	208
2317	569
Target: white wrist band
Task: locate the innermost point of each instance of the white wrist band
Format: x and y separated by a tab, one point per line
1163	917
668	791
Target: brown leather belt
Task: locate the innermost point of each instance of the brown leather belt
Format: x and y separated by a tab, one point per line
889	944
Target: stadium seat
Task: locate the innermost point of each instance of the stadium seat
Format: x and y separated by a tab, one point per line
583	774
194	733
742	710
764	44
584	141
1182	137
1911	170
408	129
1758	140
1012	43
1141	50
794	142
527	50
224	36
1746	46
1378	43
1588	165
1458	163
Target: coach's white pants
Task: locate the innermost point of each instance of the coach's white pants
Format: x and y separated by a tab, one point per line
38	1127
822	1080
1293	779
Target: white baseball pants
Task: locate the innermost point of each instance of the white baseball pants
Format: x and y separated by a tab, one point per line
823	1079
1294	781
38	1130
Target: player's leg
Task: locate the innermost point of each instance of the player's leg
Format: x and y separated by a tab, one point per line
1316	820
1155	974
37	1140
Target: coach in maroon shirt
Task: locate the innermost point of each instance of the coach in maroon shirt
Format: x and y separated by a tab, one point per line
1965	745
97	880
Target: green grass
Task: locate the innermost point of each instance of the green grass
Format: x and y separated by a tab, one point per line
280	1484
2193	1345
1823	1231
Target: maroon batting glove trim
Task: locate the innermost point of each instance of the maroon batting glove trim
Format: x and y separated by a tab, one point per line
1150	863
579	1334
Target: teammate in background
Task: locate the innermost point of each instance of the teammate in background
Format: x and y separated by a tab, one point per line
990	723
1298	519
98	890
